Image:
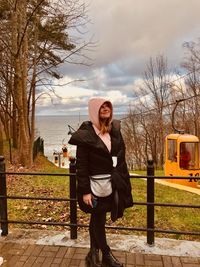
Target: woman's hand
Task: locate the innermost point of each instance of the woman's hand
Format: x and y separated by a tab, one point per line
87	199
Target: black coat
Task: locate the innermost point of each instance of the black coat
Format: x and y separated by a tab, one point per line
94	158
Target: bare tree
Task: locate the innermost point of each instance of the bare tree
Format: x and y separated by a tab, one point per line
154	96
35	40
135	145
192	65
155	102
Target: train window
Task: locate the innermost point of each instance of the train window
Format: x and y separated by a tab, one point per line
172	150
189	156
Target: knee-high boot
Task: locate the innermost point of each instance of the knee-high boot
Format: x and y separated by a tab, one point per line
109	260
92	258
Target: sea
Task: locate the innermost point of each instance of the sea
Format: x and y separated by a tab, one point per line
54	130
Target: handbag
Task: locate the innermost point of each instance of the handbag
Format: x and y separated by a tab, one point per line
101	185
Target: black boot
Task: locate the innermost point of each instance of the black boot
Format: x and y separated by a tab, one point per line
92	258
109	260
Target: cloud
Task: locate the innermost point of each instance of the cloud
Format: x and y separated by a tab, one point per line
140	26
128	33
78	102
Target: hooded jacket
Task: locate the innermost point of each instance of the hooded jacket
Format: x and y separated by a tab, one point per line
94	107
93	157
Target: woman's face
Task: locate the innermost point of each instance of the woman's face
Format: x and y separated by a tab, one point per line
105	111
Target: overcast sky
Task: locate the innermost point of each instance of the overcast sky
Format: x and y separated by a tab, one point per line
127	34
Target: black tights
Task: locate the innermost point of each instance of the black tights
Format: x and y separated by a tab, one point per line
97	231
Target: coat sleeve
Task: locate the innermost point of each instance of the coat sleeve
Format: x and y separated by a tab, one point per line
121	178
82	164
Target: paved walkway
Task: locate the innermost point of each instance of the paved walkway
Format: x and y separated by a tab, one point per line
177	186
25	255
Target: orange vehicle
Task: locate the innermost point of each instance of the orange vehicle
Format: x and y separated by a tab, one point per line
182	158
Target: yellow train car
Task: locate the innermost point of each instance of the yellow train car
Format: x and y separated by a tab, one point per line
182	158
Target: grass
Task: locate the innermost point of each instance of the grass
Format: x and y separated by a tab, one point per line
39	186
182	219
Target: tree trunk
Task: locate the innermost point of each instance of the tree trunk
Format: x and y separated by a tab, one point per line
21	69
33	85
1	139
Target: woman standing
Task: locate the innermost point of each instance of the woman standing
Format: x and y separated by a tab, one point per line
103	178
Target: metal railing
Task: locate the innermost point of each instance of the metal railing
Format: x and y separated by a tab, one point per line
4	197
150	204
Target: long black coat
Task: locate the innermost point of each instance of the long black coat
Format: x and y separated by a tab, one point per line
94	158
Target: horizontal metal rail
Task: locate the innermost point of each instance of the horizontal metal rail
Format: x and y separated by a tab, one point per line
165	177
107	226
38	198
73	175
74	199
39	174
168	205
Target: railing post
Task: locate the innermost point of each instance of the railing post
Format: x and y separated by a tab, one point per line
3	201
73	204
150	199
